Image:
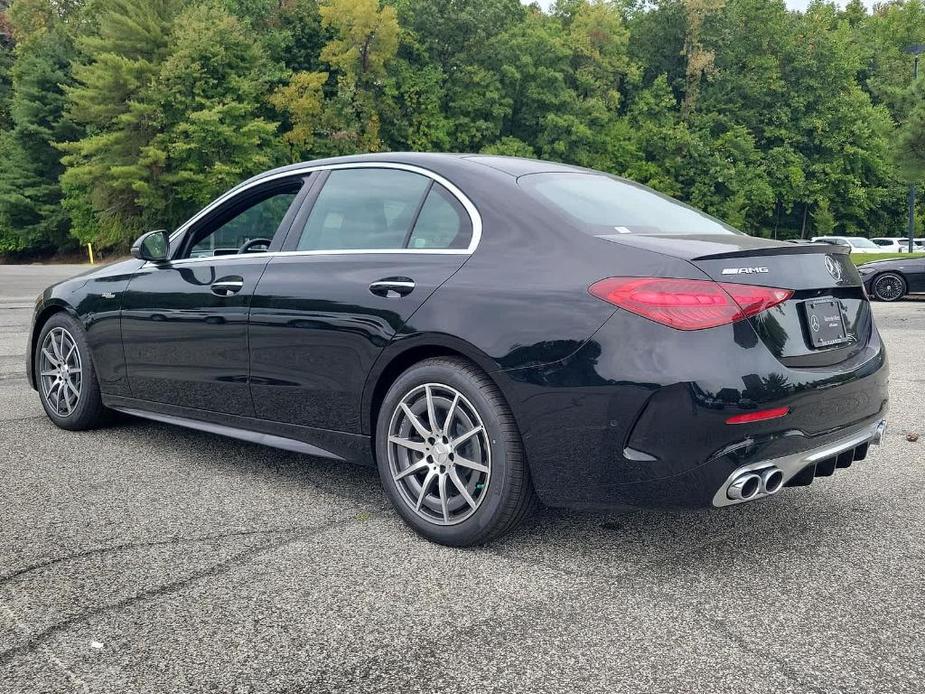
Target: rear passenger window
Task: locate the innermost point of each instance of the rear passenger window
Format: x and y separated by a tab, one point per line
442	223
364	209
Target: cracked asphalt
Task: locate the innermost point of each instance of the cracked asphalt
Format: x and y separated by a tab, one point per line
146	558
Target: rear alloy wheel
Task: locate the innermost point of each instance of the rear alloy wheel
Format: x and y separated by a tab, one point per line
65	376
889	287
450	456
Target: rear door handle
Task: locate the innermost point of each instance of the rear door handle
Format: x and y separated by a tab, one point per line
226	286
392	287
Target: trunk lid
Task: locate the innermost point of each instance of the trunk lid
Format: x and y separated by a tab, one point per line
826	322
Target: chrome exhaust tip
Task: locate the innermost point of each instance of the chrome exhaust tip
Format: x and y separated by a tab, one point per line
772	479
878	434
744	487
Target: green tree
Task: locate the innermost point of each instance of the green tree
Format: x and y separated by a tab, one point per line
600	44
910	143
302	102
510	147
884	39
533	63
412	111
104	175
457	32
6	62
31	216
823	219
364	41
782	122
445	62
206	103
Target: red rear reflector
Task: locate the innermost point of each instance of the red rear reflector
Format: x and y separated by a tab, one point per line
688	304
759	416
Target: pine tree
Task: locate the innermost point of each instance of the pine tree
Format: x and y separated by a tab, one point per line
104	175
6	62
31	216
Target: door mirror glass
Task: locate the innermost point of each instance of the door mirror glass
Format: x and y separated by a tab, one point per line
152	246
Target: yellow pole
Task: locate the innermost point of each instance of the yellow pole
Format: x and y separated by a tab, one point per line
90	249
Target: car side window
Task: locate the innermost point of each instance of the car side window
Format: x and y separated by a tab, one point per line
364	209
442	222
243	228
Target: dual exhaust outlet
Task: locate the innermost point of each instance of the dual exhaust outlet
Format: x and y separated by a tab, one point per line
748	485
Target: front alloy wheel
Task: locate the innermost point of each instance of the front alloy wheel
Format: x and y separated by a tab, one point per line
60	372
65	376
439	454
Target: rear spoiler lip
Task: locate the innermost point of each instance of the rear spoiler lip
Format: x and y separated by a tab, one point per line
693	248
804	249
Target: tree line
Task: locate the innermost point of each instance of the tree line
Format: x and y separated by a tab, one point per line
117	116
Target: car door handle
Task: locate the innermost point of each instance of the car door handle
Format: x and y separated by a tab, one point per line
392	287
226	286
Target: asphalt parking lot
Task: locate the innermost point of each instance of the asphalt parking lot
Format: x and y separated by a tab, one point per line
145	558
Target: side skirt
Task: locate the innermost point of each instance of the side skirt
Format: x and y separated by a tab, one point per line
334	445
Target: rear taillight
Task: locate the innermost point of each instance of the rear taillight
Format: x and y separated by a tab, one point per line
688	304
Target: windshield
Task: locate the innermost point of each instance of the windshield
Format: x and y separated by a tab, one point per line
862	243
608	206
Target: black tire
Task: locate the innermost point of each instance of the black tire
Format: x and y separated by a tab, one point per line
503	501
87	411
889	286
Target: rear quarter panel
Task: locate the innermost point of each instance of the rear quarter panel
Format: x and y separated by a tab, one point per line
522	298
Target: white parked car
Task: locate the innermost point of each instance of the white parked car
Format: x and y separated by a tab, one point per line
899	244
892	244
856	244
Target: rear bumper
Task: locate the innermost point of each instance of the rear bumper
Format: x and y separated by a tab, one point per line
800	469
637	417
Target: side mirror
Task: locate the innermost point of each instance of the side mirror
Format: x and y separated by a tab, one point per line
152	246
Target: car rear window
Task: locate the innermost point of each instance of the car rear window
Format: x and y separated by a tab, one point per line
604	205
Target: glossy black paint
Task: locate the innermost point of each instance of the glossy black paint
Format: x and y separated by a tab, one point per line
613	408
911	269
316	329
185	344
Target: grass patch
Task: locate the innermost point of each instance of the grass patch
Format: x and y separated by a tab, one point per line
861	258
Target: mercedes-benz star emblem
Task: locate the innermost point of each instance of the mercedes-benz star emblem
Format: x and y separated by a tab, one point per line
814	324
833	267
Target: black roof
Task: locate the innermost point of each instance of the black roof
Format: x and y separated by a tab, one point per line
518	166
440	163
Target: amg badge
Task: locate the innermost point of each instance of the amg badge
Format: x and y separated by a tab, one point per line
743	270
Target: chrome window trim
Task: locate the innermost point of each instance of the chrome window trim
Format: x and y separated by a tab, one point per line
474	216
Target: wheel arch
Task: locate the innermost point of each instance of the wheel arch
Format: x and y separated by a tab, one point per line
401	355
42	316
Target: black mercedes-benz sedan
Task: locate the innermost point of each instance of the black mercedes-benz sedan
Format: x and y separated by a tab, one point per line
490	332
891	280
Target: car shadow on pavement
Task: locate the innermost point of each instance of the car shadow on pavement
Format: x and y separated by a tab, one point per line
797	520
